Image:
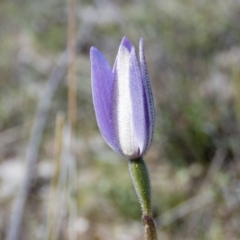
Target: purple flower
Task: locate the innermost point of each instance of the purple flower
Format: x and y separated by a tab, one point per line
123	100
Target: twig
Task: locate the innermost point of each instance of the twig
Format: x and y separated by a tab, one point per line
57	75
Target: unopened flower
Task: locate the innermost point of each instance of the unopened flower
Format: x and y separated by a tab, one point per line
123	101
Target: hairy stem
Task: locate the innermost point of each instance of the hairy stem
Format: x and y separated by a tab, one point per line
141	182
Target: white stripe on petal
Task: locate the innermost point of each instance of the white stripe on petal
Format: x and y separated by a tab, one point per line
138	108
123	105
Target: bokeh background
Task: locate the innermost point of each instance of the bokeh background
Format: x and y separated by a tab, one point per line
193	55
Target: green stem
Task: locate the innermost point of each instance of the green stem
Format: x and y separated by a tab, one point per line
139	174
141	182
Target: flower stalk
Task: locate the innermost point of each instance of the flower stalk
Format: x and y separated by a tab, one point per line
140	178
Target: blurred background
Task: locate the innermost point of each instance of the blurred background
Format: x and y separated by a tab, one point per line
193	53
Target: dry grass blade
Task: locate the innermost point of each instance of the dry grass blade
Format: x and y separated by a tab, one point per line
72	102
62	187
72	187
52	211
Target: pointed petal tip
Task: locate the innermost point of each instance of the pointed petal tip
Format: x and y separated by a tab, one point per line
141	43
126	43
96	55
125	38
93	50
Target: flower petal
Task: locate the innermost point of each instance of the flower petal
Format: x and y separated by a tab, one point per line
148	98
137	100
102	80
122	102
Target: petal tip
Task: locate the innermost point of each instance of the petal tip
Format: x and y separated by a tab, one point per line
96	56
93	50
141	43
126	43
